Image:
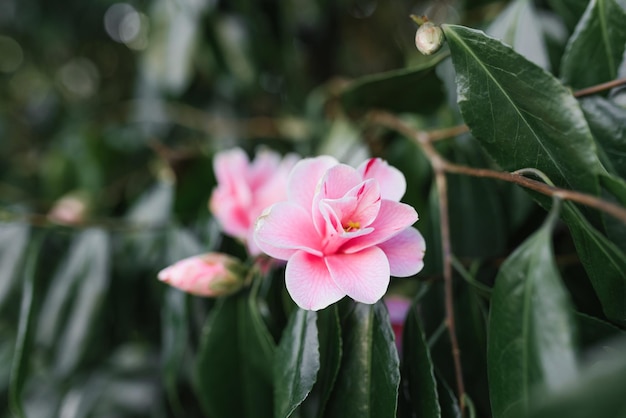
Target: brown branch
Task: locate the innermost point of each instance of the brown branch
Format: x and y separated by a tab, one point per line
600	87
423	139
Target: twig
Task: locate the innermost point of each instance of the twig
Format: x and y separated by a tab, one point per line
423	139
600	87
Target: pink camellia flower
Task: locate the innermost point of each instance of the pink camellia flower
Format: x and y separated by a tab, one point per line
342	231
211	274
245	188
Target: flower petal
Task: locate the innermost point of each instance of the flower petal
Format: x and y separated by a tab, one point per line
309	282
392	218
405	252
338	181
391	180
284	228
364	276
304	178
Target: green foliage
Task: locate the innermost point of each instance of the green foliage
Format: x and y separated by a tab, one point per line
121	106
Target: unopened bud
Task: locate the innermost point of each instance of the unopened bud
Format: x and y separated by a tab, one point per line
212	274
70	209
428	38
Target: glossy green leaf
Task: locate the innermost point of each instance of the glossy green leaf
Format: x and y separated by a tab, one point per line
603	261
23	342
235	360
297	362
13	242
370	357
531	327
594	52
448	400
598	392
521	114
614	190
607	121
418	368
519	26
416	90
330	346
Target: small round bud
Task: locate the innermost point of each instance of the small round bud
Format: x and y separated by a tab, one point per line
429	38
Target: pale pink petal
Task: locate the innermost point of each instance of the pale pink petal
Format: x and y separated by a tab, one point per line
338	180
304	179
263	167
364	276
284	228
231	213
309	283
405	252
391	180
392	218
227	164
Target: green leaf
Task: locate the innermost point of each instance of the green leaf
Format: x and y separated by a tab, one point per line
531	327
607	121
519	26
603	261
569	10
296	363
330	345
234	362
370	356
521	114
594	331
419	371
594	52
74	298
389	90
614	190
13	243
174	320
597	392
21	353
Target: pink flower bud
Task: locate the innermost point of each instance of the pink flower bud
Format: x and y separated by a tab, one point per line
211	274
69	210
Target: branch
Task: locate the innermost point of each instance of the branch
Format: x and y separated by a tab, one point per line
424	141
600	87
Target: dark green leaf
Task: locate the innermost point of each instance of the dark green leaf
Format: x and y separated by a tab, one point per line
330	344
531	327
234	362
603	261
607	121
521	114
13	242
73	300
367	384
614	190
297	362
92	253
594	52
449	403
174	343
419	370
598	392
593	331
519	26
569	10
416	90
21	353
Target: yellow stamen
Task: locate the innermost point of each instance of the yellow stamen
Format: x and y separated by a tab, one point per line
352	226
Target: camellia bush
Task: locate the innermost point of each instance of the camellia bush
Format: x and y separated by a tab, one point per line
313	209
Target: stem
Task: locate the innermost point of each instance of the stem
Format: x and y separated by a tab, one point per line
599	87
446	249
423	140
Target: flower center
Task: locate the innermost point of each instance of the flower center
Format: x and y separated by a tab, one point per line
351	226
